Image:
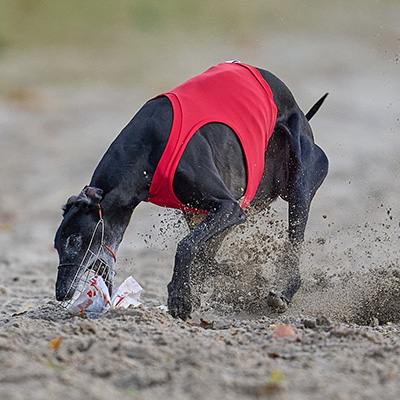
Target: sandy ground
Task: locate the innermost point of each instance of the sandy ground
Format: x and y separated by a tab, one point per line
346	316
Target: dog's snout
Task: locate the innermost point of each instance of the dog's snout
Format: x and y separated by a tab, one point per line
64	283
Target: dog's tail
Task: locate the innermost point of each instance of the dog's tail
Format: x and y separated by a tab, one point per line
316	107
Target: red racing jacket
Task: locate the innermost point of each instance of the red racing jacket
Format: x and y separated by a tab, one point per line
231	93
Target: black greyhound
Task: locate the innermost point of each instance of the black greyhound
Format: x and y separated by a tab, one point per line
294	169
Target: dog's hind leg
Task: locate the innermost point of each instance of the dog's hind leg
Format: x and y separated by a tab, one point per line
306	169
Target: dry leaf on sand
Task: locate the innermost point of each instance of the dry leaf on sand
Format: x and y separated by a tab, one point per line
55	343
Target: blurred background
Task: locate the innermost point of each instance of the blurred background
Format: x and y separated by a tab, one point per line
73	73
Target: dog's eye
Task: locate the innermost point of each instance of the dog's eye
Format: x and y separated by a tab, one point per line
74	242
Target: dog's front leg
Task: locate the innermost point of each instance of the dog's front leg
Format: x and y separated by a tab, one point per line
227	214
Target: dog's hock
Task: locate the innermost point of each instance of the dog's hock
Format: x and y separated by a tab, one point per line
277	302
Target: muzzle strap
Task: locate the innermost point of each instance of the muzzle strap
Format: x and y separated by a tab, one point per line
67	265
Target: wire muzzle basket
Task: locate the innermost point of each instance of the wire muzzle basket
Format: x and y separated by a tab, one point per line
93	263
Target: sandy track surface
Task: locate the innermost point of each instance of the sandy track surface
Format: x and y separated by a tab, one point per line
346	315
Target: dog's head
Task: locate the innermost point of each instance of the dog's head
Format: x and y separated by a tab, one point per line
79	239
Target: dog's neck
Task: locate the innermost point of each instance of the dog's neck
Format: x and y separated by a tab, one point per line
127	168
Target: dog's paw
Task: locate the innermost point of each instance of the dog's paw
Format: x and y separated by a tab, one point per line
179	301
277	302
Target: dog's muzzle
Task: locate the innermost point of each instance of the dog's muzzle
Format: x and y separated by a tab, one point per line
72	279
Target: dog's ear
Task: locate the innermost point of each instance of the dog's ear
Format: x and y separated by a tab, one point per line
70	202
89	196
